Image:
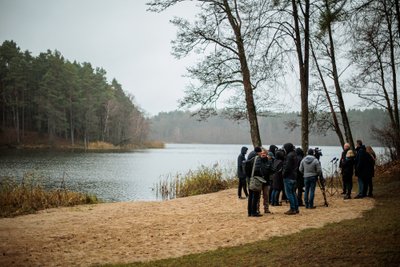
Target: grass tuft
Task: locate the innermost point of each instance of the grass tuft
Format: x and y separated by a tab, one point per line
201	181
29	196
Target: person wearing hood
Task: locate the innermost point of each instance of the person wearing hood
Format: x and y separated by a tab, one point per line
253	159
241	173
360	167
300	177
277	178
310	167
290	178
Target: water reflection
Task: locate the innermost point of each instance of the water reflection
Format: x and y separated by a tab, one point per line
124	176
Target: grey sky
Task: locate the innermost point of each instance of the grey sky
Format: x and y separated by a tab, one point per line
131	44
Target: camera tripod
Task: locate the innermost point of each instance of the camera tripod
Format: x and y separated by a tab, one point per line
333	182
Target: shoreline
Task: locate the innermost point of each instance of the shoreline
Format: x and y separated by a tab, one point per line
125	232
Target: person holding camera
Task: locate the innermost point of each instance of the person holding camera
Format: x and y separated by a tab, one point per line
311	169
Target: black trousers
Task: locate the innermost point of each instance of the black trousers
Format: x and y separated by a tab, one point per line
252	205
348	184
242	186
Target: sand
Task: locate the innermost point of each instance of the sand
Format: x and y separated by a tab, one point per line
140	231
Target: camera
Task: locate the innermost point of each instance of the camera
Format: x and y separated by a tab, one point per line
317	153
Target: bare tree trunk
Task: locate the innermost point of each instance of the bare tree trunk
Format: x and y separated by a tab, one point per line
343	112
16	117
251	109
328	98
396	124
303	68
106	120
23	116
393	66
398	16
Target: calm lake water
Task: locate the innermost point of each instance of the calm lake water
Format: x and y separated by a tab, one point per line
128	176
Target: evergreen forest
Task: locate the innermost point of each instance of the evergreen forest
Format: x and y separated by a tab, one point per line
182	127
59	99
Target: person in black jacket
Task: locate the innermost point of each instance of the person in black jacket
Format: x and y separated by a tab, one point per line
360	168
267	170
346	147
241	173
368	186
300	177
277	178
290	178
254	196
347	166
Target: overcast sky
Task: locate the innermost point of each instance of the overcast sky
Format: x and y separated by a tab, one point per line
131	44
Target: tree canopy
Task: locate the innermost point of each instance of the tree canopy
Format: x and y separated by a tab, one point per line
51	95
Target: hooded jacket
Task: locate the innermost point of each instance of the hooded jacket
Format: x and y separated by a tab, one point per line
240	162
290	163
310	166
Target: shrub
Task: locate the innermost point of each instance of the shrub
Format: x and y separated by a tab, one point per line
29	196
202	181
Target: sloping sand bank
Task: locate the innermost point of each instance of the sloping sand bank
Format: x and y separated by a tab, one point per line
137	231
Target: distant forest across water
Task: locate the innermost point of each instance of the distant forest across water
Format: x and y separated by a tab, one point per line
181	127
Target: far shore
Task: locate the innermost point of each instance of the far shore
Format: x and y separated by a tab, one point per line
92	147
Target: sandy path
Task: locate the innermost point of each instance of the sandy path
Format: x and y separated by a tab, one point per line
137	231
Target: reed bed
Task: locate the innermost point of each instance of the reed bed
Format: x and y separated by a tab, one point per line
29	196
201	181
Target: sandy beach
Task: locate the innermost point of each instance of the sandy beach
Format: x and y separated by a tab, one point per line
139	231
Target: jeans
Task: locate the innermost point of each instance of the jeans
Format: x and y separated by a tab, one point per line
360	186
290	190
275	196
310	183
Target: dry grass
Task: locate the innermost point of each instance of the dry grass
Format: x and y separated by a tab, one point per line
29	196
201	181
99	145
373	240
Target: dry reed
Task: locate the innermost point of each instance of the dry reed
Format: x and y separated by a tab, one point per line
201	181
29	196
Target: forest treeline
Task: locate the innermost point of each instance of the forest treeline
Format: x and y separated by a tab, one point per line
182	127
56	98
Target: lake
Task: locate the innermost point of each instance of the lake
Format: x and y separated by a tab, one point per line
127	176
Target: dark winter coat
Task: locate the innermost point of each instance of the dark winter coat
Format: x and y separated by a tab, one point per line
348	167
342	158
364	163
263	167
249	166
277	178
241	159
290	164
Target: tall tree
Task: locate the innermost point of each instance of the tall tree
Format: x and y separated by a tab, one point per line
331	12
376	56
239	56
299	32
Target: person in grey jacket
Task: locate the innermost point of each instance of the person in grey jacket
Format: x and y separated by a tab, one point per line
311	169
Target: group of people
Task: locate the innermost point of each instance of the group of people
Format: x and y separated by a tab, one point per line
285	171
362	165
